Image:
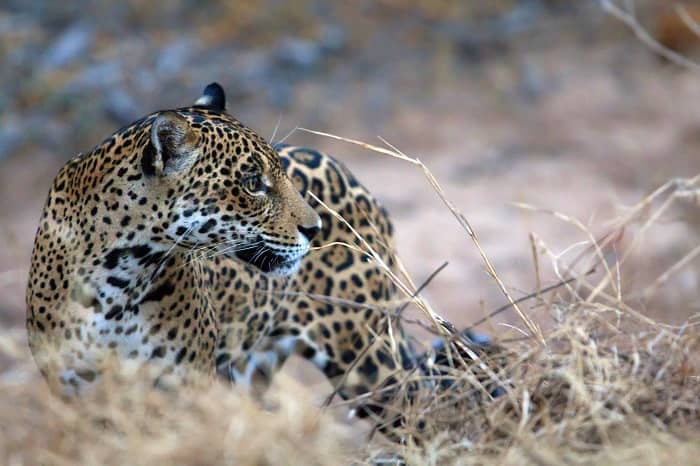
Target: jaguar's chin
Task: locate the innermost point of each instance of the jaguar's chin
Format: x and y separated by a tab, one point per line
268	261
285	269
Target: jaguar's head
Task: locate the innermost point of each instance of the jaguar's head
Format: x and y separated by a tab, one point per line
225	189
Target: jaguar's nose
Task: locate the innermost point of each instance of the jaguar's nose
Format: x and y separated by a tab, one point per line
311	231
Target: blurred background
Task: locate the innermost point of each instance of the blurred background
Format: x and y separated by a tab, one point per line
551	103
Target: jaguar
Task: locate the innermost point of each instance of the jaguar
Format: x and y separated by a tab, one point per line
186	244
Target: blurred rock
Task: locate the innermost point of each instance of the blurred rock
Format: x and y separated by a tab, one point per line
101	76
522	18
532	83
173	57
298	53
333	38
279	93
251	68
257	73
49	132
477	40
121	107
377	102
72	44
145	80
11	137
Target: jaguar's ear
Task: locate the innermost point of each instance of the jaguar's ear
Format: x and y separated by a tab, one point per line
173	145
213	97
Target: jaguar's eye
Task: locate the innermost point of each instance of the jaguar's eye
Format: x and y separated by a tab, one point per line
255	184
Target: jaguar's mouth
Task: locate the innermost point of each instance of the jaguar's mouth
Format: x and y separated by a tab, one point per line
286	268
268	261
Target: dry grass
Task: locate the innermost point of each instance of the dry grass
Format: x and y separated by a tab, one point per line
605	380
602	384
127	422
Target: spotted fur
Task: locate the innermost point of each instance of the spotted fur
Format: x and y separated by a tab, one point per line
181	245
180	240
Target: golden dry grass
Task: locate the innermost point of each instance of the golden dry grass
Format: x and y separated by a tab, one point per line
600	384
596	394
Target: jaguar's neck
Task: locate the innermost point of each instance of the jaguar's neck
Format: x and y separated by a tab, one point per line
119	278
